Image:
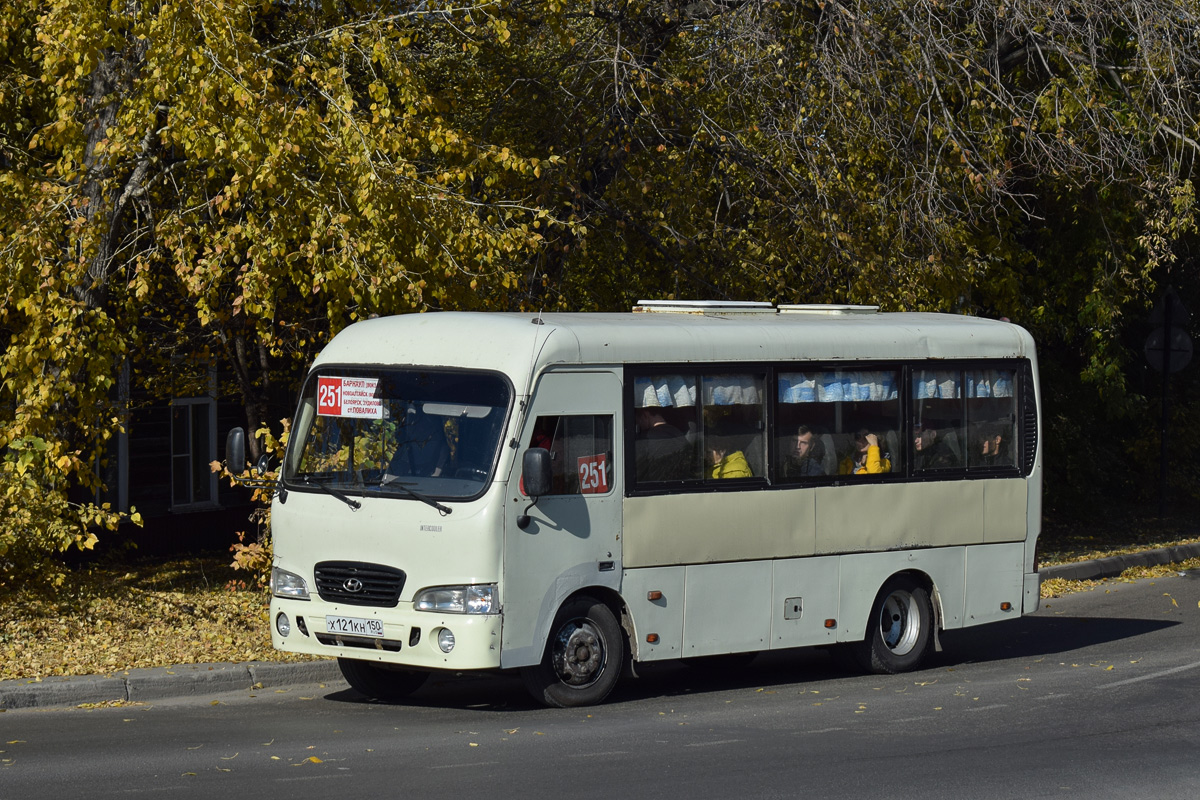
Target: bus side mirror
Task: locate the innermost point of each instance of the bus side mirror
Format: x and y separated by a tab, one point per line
235	451
535	479
235	462
535	470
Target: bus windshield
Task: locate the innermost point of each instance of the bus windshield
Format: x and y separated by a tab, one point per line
415	433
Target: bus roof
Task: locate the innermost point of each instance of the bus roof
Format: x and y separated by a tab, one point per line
521	344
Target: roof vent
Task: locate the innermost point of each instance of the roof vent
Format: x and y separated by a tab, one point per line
716	307
827	310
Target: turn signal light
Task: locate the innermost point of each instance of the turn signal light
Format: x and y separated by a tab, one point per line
831	623
1006	606
654	595
652	638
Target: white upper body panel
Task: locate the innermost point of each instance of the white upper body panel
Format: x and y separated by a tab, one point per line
513	343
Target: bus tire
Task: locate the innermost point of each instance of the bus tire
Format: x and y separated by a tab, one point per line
899	630
381	681
583	659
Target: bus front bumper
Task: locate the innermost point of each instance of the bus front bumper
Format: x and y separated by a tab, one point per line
419	639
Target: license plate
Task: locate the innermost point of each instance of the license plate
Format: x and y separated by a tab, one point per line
354	626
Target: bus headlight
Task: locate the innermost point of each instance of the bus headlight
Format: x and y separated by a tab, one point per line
475	599
288	584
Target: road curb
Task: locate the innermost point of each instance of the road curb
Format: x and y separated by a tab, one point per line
1112	566
161	683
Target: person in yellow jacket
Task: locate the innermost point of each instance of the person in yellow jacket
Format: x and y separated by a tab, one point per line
731	465
867	458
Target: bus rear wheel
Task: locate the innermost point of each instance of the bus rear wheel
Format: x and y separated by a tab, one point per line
900	628
583	658
381	681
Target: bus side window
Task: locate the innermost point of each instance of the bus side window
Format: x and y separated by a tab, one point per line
964	419
581	454
867	410
992	414
734	425
937	425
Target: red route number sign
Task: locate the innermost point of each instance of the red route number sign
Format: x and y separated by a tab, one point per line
348	397
593	479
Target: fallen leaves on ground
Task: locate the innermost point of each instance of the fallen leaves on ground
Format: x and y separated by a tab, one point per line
1119	536
1057	587
107	619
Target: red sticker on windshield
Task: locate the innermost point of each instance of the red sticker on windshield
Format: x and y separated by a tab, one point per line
349	397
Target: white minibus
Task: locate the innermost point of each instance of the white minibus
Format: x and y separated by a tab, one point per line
568	495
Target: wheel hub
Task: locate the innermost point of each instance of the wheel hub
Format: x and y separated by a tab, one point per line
900	626
579	655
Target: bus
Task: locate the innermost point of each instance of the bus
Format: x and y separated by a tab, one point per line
568	495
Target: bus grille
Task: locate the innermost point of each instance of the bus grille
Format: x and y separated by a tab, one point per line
359	584
335	640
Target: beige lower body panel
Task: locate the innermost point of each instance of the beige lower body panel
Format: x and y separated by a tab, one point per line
719	527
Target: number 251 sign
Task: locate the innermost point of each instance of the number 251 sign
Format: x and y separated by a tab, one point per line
348	397
593	479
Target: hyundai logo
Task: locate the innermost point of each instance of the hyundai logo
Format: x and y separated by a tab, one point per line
352	585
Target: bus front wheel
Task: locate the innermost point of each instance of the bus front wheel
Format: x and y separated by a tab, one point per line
583	658
900	628
381	681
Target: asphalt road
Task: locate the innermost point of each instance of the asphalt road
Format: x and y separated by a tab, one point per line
1094	696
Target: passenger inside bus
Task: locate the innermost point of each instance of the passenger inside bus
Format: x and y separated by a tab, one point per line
991	447
423	450
807	455
930	452
725	461
663	452
866	458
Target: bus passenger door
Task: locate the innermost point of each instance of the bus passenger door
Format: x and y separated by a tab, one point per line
573	536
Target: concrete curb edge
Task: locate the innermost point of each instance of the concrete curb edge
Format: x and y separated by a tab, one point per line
160	683
1112	566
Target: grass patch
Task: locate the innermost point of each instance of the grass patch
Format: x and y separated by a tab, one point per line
107	618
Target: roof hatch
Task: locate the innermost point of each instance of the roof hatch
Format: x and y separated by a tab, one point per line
827	310
717	307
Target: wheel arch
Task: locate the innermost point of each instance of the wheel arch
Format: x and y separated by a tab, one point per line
935	598
856	604
620	609
927	582
604	594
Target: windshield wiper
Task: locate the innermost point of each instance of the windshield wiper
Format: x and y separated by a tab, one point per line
390	480
345	498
